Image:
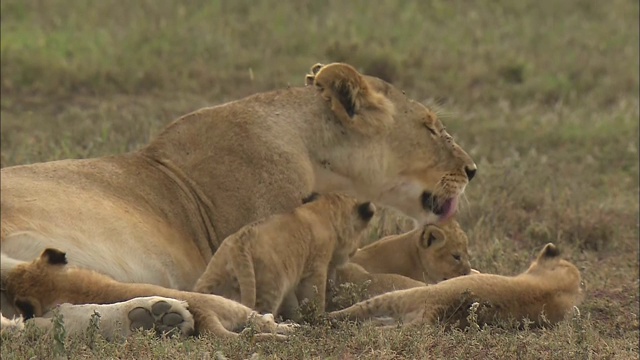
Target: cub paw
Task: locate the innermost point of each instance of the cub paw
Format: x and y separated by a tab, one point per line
164	315
287	327
11	325
310	78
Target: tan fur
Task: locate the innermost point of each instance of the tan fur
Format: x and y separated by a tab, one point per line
157	215
414	255
378	283
113	322
11	325
43	285
405	261
549	288
293	252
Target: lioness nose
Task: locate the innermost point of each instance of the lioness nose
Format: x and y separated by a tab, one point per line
471	171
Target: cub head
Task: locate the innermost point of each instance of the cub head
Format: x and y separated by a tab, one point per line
442	252
33	286
349	217
393	149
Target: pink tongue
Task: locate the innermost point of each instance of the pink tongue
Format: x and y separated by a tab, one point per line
450	207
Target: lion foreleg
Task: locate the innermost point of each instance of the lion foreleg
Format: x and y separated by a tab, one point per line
313	288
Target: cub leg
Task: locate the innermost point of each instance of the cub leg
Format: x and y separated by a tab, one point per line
314	288
289	307
359	311
209	324
11	325
266	323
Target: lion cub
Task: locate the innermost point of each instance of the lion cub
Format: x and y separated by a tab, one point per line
288	254
429	254
425	255
547	290
46	282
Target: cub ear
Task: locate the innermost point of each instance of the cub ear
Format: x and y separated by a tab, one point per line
549	251
313	196
366	211
354	102
432	236
54	257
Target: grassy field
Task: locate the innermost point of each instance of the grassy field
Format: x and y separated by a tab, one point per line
543	94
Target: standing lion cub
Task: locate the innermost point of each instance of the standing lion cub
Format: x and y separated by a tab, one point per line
288	254
546	292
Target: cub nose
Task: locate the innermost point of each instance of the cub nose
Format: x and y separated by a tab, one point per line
470	171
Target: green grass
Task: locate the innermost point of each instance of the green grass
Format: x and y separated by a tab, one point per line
543	94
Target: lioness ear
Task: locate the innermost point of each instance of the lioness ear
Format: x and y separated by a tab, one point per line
549	251
54	256
366	211
431	236
354	102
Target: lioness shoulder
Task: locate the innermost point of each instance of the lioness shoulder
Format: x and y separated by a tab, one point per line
288	253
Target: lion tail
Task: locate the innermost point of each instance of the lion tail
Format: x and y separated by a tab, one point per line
242	263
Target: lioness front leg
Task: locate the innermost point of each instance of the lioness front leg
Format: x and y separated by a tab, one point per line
164	315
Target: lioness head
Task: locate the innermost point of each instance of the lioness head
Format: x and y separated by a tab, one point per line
443	251
424	171
33	286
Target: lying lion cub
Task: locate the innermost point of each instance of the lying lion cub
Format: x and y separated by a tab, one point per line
428	254
424	255
40	285
547	290
288	254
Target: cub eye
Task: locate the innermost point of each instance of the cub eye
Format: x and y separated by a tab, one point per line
456	257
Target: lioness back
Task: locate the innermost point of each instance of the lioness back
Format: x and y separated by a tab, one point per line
265	261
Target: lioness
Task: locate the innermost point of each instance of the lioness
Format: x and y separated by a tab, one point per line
40	285
288	252
544	293
157	215
429	254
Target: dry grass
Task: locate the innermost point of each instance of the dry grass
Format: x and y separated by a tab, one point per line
543	94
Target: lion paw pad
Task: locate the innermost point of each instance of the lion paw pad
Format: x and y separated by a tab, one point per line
161	317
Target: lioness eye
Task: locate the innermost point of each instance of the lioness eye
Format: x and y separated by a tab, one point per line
456	257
